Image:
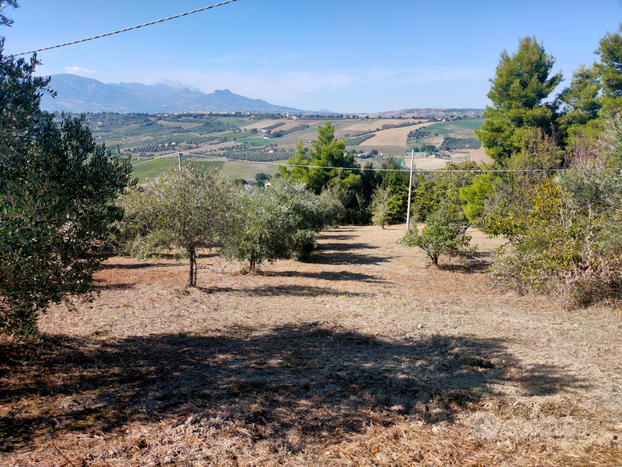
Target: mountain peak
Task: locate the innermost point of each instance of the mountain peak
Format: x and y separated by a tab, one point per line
177	85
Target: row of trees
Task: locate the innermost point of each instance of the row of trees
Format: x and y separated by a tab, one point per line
327	167
521	90
188	209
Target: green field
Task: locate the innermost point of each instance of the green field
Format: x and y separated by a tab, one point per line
459	127
234	121
154	168
231	169
184	125
257	141
248	170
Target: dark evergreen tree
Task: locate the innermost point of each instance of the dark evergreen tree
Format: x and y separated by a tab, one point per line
521	83
58	190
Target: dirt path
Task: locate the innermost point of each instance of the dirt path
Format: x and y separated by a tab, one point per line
365	356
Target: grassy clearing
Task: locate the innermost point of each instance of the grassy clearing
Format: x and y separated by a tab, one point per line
154	168
259	141
248	170
364	356
184	125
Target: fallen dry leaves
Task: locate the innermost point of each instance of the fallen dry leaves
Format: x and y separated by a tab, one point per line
364	356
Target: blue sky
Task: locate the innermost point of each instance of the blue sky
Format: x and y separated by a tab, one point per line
341	55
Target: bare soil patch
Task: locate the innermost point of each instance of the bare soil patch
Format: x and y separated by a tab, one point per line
287	124
392	136
479	155
373	124
365	356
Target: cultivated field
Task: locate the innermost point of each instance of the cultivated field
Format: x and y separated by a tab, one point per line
286	124
426	163
365	356
248	170
392	136
372	124
149	137
479	155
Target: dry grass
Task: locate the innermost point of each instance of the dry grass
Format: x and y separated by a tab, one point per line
368	125
287	124
365	356
392	136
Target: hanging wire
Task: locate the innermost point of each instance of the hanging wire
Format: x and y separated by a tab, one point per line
126	29
376	169
444	170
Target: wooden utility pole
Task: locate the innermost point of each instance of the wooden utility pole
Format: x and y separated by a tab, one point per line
410	187
179	154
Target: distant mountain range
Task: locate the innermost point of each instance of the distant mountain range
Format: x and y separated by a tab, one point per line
77	94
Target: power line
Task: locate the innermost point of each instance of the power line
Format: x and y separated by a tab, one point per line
444	170
126	29
375	169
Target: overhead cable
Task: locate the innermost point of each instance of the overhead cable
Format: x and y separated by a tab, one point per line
443	170
126	29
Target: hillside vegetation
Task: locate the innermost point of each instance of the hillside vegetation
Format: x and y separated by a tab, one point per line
267	137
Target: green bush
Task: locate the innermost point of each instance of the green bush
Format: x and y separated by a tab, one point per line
280	222
571	247
185	208
58	190
442	234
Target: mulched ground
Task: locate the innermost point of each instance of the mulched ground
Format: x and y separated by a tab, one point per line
364	356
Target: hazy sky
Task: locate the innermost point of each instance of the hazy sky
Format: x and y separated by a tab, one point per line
340	55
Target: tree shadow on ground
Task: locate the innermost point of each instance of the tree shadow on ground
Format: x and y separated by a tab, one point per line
328	275
336	237
152	262
141	265
98	287
287	290
317	379
478	262
345	253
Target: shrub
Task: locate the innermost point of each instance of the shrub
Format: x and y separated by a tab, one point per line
442	234
381	206
280	222
571	247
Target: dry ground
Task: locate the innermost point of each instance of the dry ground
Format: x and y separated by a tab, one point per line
392	136
287	124
479	155
365	356
367	125
426	163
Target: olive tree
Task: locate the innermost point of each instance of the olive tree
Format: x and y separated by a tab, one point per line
186	209
442	234
58	190
280	222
